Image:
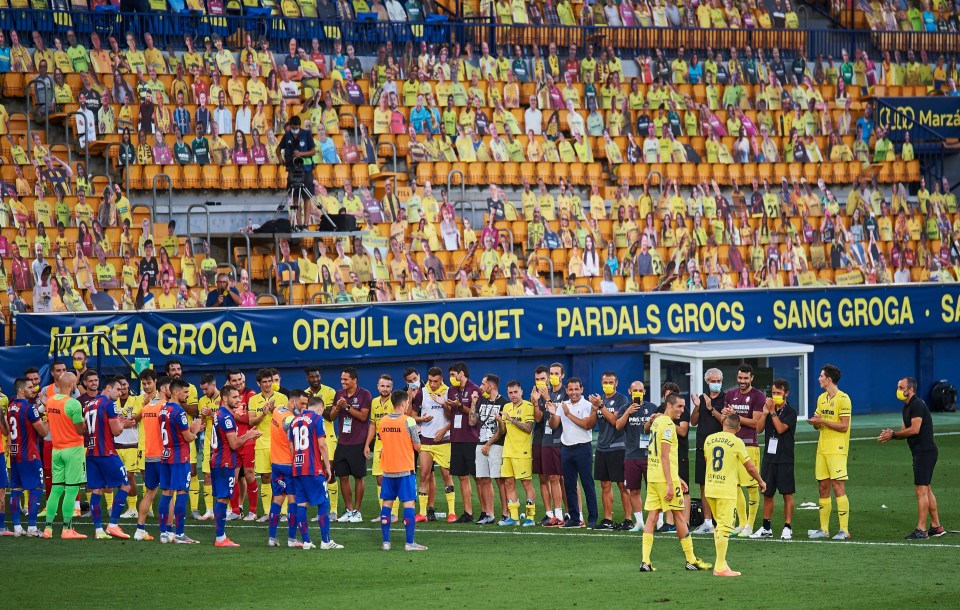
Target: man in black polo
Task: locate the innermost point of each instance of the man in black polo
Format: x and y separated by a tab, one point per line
778	421
917	428
611	446
707	418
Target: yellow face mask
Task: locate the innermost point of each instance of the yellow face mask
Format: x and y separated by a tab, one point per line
608	388
454	381
554	380
901	395
778	400
486	394
637	394
275	387
78	365
542	385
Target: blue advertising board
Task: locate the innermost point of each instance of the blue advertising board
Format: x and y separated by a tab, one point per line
901	114
264	335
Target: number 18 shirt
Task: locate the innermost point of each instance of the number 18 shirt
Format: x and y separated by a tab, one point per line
222	455
305	432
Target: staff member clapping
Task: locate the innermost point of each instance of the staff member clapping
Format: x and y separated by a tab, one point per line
578	418
917	428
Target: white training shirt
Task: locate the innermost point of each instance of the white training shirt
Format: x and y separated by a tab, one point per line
572	434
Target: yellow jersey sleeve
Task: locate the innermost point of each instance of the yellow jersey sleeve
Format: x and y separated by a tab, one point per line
212	404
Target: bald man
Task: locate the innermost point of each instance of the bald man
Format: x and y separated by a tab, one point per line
69	463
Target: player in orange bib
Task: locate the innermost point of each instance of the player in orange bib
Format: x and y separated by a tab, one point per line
149	418
399	439
282	473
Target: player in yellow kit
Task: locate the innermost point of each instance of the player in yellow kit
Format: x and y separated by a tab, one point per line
832	419
127	445
517	424
665	488
175	371
380	406
724	453
208	406
327	394
260	407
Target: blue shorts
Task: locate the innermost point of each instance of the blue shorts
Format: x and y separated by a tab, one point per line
151	475
106	472
280	475
3	471
311	491
404	487
223	480
26	475
175	477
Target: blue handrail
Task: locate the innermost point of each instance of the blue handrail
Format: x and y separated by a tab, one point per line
169	28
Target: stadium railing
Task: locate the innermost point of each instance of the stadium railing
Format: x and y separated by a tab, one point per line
366	36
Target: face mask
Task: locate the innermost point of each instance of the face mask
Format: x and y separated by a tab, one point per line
637	395
486	394
555	380
295	132
414	385
78	365
275	387
778	400
36	388
715	387
542	385
454	381
608	388
901	395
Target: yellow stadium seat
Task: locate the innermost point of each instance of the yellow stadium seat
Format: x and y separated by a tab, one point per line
578	174
211	176
361	174
191	176
229	177
268	176
854	170
175	174
913	171
476	174
341	173
424	173
458	178
248	177
561	171
135	176
322	172
511	173
595	173
545	171
149	173
494	173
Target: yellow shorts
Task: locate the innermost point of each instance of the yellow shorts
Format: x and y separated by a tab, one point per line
745	480
261	461
440	453
656	497
193	453
375	470
833	467
723	510
517	468
140	460
331	446
131	459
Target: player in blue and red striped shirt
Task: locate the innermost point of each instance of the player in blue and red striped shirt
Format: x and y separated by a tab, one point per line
105	469
223	458
176	434
311	466
26	428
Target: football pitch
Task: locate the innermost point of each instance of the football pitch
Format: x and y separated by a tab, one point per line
491	566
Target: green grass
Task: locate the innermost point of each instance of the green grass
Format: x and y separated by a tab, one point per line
468	566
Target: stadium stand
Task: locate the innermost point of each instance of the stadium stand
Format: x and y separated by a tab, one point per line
618	147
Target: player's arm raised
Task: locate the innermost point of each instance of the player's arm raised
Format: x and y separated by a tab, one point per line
239	441
904	432
623	419
190	434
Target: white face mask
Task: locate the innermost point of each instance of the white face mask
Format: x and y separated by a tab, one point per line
295	132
